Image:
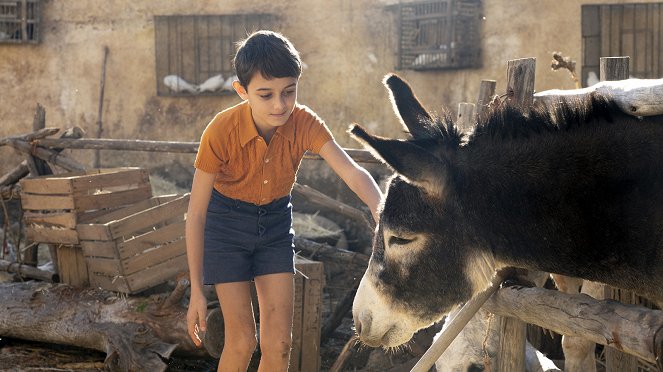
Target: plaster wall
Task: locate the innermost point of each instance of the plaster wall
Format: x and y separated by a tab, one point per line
347	46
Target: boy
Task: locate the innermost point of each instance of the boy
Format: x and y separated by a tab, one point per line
239	221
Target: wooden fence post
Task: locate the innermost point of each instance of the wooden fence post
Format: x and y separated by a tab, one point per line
617	68
486	93
513	332
465	119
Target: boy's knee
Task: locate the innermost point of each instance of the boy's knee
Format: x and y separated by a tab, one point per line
280	348
245	343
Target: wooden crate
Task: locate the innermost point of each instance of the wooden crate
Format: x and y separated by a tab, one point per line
53	205
138	246
309	282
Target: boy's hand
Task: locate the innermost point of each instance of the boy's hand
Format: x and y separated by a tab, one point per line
195	319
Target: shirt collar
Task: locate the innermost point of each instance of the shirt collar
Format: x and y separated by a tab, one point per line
249	132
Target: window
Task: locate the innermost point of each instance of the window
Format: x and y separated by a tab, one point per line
194	53
19	21
439	34
634	30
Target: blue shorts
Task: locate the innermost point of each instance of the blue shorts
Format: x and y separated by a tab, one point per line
244	240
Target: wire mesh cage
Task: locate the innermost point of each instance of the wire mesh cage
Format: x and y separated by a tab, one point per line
20	21
440	34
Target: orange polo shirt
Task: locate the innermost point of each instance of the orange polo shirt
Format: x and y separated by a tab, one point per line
246	167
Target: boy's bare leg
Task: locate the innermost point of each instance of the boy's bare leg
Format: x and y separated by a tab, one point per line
275	299
239	326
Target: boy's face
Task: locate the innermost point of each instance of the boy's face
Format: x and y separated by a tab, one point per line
271	100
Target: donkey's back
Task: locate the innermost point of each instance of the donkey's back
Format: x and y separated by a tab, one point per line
580	194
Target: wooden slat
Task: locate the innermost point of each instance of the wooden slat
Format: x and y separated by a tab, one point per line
72	266
106	266
106	178
153	257
100	201
149	217
99	249
46	185
59	219
46	202
94	232
123	212
156	274
45	235
151	239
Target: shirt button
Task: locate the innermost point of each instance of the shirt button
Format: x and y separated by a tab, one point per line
267	160
265	181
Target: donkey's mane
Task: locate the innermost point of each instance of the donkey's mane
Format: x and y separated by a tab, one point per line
545	117
511	122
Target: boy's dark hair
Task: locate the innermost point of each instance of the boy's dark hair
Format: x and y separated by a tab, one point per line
268	53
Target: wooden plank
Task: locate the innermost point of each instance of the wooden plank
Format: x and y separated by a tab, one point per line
72	266
107	178
615	68
312	312
123	212
101	201
44	235
46	185
298	314
149	217
153	257
59	219
94	232
156	274
106	266
99	249
46	202
151	239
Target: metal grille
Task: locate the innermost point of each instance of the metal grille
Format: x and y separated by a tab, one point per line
634	30
19	21
440	34
197	48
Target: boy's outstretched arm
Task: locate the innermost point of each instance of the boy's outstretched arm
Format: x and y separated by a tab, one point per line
195	225
356	177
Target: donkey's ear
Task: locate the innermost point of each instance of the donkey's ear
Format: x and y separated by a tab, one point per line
416	165
407	107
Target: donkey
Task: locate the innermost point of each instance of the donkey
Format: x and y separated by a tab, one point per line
573	187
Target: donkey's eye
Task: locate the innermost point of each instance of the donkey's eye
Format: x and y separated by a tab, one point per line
397	240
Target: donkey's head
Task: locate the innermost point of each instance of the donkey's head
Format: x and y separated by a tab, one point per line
423	263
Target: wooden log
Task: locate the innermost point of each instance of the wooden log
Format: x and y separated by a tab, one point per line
322	252
30	136
358	155
633	329
53	157
27	271
15	174
120	144
135	332
316	197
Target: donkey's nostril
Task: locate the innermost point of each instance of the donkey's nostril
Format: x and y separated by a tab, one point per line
357	327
